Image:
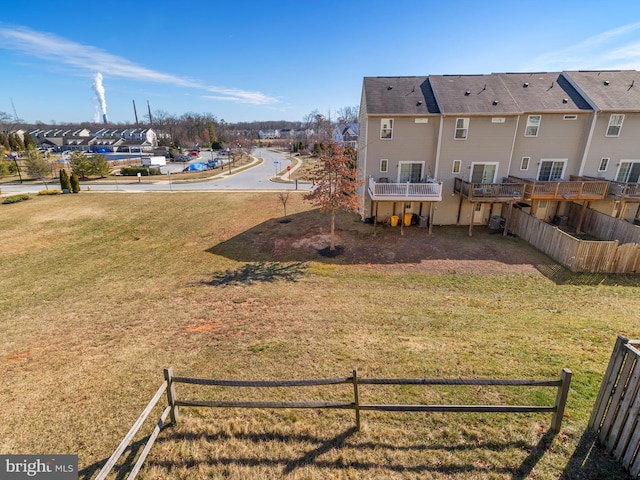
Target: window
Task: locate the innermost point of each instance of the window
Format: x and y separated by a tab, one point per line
462	128
533	124
615	125
457	167
410	172
629	172
384	165
551	170
570	117
483	172
604	163
386	129
524	163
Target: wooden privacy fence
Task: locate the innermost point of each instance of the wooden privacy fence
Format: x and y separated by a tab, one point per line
617	408
557	409
577	255
604	227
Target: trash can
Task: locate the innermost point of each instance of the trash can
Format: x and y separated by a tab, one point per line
394	220
423	221
407	219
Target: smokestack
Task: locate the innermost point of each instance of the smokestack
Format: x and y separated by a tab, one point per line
104	118
135	112
150	118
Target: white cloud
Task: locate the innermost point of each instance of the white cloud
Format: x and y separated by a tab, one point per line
613	49
49	47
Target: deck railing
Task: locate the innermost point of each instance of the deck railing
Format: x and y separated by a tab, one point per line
423	191
496	192
563	189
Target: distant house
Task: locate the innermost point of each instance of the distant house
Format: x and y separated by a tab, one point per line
104	139
346	134
268	134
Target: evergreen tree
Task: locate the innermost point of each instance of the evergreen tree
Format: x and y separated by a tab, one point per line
80	164
99	165
37	166
65	183
75	183
29	142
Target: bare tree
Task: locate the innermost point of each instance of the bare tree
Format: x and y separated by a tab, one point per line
348	114
336	184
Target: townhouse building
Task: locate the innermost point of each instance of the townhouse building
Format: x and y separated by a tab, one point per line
463	149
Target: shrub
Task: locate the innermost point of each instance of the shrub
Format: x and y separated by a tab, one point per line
144	171
65	183
75	183
21	197
53	191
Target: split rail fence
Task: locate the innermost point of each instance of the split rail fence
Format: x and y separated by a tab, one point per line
172	410
615	415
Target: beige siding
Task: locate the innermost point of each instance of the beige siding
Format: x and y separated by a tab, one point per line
557	139
623	147
415	142
486	142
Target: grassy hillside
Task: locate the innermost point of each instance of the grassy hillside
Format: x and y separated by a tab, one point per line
98	292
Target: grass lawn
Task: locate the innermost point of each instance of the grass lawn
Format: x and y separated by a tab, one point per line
100	291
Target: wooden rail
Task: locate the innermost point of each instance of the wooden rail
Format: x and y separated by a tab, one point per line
562	190
489	192
172	410
615	415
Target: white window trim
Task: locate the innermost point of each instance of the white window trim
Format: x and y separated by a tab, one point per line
606	161
564	167
528	125
495	173
609	125
454	170
465	128
386	162
391	125
625	160
409	162
528	163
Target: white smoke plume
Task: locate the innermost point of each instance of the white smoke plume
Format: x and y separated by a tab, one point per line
99	89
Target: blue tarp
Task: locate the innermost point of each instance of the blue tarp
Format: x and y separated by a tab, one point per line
197	167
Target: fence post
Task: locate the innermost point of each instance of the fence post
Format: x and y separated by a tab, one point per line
356	398
561	400
171	395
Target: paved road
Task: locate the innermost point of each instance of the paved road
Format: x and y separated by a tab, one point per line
258	177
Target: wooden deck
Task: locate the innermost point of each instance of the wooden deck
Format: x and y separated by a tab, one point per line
562	190
489	192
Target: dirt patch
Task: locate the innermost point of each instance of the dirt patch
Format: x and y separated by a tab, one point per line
448	249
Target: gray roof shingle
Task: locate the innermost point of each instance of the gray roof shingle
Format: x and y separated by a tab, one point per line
399	96
472	94
545	91
610	90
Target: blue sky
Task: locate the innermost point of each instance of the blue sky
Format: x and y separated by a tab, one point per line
280	60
